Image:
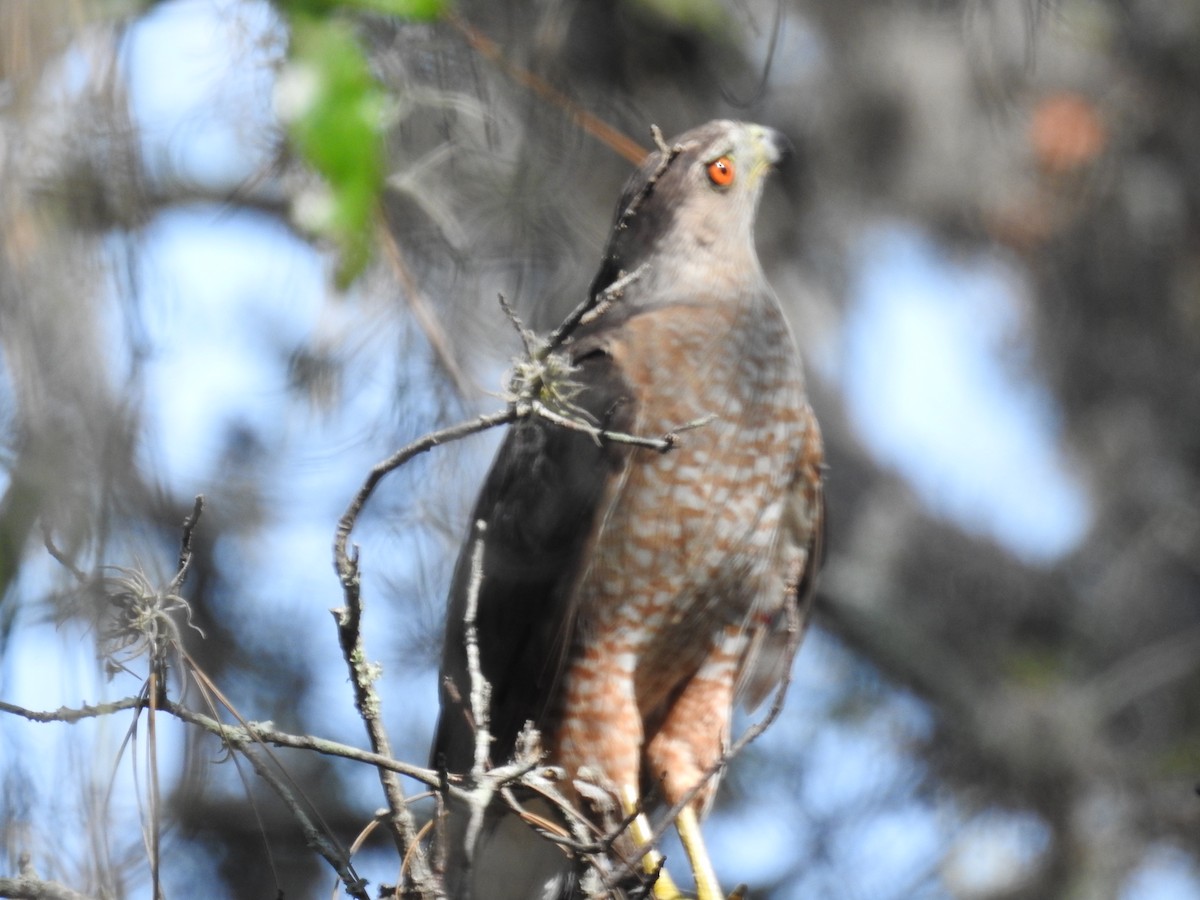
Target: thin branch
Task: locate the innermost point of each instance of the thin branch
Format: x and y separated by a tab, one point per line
349	623
207	691
69	714
153	834
346	564
28	886
591	308
241	739
528	338
601	435
185	548
156	692
59	556
251	736
667	156
427	318
483	788
481	691
313	835
594	126
252	732
659	141
363	675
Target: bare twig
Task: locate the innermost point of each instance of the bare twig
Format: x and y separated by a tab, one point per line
185	548
594	126
424	312
313	836
363	675
481	691
212	695
250	732
591	308
667	156
28	886
601	435
163	602
659	141
243	739
483	788
528	338
153	836
74	714
426	316
346	563
585	840
349	621
60	557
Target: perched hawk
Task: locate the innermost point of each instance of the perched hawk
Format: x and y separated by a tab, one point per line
630	597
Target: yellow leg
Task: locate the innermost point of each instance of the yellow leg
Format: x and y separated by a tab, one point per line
707	886
664	887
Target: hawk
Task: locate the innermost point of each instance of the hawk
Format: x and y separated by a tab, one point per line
630	596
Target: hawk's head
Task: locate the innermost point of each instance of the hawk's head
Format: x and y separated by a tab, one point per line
688	212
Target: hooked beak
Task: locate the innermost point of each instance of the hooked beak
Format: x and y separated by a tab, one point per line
776	147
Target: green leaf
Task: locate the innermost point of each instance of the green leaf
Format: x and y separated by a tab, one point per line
334	110
705	16
404	9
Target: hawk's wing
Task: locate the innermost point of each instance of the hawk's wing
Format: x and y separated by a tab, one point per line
801	553
539	503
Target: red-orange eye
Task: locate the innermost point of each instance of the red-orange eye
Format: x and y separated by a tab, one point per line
721	171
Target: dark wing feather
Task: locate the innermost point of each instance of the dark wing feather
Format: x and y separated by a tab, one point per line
540	503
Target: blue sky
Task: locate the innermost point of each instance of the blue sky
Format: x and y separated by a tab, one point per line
939	385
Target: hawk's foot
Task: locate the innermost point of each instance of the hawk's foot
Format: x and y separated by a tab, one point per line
664	887
707	886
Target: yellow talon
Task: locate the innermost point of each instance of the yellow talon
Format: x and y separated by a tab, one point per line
664	886
707	886
688	826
